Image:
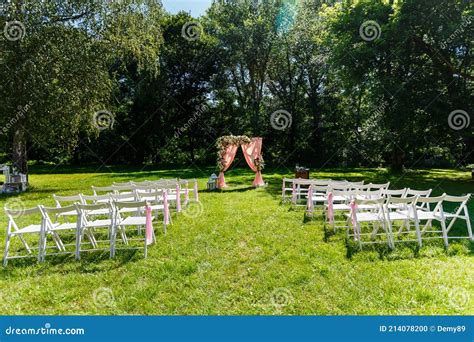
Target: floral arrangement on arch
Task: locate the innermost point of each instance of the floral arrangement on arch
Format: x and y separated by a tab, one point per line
225	141
259	163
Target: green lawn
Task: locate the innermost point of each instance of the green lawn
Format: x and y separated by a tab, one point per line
245	254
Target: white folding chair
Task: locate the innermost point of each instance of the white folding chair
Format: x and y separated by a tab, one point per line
333	209
317	196
94	199
116	198
406	213
93	217
156	201
460	212
366	224
341	182
122	184
368	194
17	229
148	187
338	190
350	185
67	200
360	187
174	197
122	220
184	184
401	193
420	194
395	193
423	213
342	186
58	229
145	182
97	190
123	189
383	186
300	190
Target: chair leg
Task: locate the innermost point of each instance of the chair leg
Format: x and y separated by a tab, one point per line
469	228
40	248
359	235
445	234
78	243
375	230
112	233
7	248
124	236
24	243
91	237
390	237
418	232
58	242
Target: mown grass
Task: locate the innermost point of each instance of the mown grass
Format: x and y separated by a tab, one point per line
246	254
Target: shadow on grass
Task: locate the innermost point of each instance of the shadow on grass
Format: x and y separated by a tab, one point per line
93	262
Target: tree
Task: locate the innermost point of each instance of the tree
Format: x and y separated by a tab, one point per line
246	33
384	53
57	57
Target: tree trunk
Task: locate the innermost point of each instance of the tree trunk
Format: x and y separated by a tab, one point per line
398	160
19	152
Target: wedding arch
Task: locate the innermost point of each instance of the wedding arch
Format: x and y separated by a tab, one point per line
252	149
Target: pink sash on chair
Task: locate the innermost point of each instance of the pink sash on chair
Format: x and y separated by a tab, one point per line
166	209
330	208
148	226
309	201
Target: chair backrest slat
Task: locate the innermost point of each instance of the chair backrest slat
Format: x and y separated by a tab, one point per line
139	204
22	212
421	193
400	192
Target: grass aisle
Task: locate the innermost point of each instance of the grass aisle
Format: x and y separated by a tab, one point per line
244	253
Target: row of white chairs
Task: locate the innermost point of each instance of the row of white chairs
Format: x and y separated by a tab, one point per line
382	207
83	221
175	188
321	196
83	214
409	211
297	189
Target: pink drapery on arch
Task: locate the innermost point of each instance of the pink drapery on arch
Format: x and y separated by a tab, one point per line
227	159
252	151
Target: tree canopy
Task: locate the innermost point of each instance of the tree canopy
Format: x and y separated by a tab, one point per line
352	82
